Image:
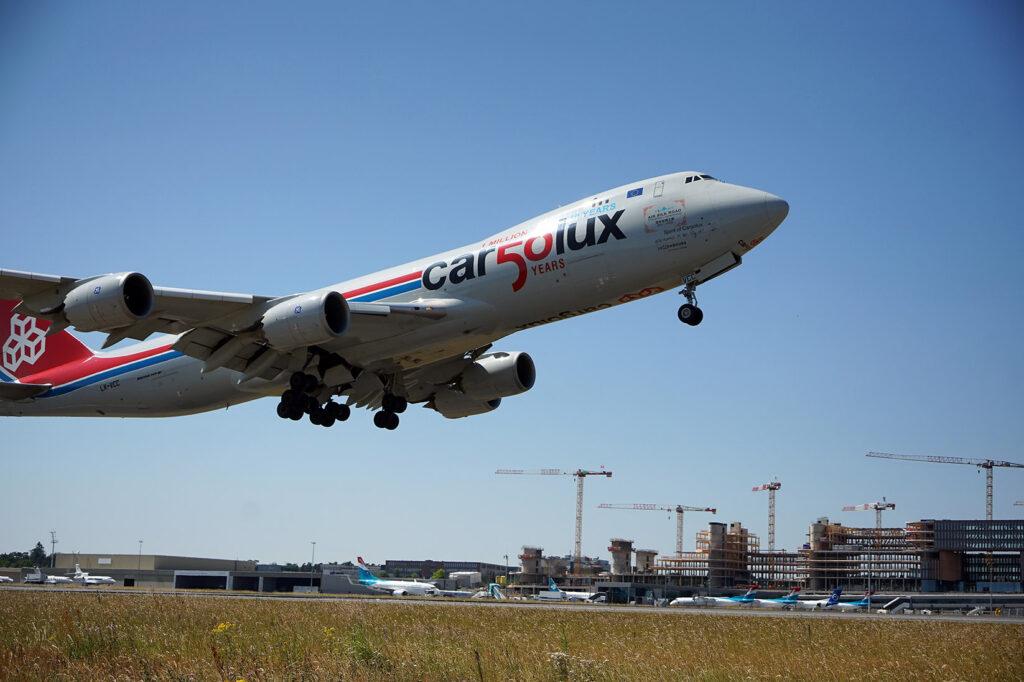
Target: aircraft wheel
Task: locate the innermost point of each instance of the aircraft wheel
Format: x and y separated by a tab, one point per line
316	416
283	409
310	405
391	422
327	420
342	412
295	413
310	383
690	314
378	420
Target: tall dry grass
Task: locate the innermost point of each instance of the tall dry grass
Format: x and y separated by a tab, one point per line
61	636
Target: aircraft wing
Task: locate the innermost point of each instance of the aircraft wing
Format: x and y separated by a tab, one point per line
224	329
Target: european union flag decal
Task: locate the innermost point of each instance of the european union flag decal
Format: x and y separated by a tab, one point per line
634	192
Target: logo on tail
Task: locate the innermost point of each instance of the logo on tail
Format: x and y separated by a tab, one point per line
833	598
25	345
365	575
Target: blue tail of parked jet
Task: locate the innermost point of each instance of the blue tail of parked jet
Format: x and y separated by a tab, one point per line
553	586
833	598
495	591
365	576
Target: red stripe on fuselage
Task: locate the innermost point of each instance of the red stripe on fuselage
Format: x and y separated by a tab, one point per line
382	285
73	371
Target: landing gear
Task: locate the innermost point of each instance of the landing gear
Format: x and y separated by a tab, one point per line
689	313
394	403
303	383
385	420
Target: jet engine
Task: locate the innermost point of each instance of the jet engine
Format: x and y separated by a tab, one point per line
306	320
498	375
109	302
454	405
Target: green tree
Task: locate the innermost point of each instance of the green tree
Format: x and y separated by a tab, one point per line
38	555
439	574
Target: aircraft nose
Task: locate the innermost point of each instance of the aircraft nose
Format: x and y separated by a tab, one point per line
776	208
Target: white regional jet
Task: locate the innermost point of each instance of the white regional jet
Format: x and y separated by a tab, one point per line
398	588
415	333
83	578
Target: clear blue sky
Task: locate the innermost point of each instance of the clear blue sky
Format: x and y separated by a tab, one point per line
261	148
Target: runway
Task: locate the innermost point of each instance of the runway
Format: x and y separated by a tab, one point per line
669	611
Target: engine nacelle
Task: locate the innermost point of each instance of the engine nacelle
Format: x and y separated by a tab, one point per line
454	405
108	302
306	320
498	375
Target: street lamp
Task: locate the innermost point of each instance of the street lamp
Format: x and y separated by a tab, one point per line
139	569
311	562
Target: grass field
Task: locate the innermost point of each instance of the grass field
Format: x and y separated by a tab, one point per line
95	636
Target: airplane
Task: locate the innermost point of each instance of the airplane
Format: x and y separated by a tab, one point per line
747	599
6	579
787	602
554	592
418	333
57	580
38	578
83	578
493	591
862	603
398	588
815	604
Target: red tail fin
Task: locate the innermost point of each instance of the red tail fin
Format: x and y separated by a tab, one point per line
26	351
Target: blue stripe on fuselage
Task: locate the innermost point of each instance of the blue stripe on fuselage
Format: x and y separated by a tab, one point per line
116	371
385	293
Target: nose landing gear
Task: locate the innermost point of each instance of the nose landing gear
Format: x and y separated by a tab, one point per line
689	313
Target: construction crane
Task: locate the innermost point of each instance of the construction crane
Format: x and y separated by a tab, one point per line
580	475
987	464
771	488
679	509
877	506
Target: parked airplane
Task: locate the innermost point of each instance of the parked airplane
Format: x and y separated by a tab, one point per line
815	604
39	578
5	579
398	588
862	603
83	578
747	599
787	602
493	591
415	333
556	593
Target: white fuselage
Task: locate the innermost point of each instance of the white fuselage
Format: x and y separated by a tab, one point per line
590	255
399	587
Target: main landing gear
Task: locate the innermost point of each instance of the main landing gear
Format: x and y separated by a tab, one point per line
689	313
298	401
391	407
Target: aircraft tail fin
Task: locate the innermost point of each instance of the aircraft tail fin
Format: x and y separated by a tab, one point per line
29	350
365	574
833	598
752	591
552	585
495	591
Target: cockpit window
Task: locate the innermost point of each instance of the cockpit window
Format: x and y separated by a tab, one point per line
706	177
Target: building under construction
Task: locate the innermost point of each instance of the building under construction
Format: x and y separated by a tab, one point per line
924	556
